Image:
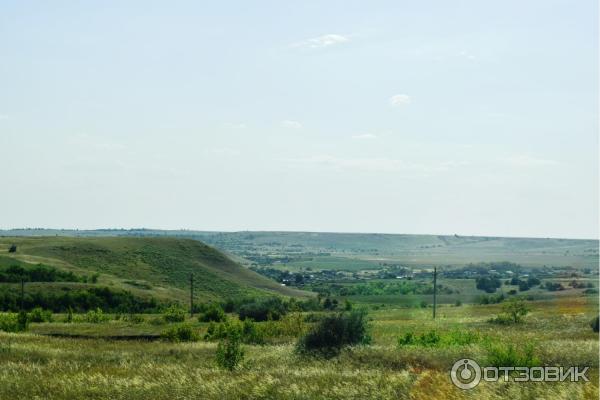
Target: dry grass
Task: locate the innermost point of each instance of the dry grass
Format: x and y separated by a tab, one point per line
34	366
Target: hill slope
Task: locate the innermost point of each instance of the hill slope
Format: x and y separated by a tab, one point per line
160	267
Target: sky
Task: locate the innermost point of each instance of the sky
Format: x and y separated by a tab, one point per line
433	117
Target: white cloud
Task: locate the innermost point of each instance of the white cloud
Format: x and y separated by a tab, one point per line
374	164
399	100
322	41
365	136
467	55
291	124
523	160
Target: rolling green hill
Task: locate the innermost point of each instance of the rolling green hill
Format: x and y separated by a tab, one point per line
158	267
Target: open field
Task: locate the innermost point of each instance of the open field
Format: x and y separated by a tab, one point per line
350	250
124	355
36	366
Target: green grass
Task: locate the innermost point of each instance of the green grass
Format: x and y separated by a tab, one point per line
158	267
33	365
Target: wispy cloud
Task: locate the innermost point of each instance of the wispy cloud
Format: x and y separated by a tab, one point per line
373	164
399	100
291	124
330	39
365	136
3	116
522	160
467	55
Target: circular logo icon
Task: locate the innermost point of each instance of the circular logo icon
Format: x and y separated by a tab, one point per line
465	374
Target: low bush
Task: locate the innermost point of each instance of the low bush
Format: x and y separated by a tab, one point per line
229	350
513	312
95	316
174	314
594	324
213	313
333	332
180	333
40	315
508	355
434	339
12	322
263	310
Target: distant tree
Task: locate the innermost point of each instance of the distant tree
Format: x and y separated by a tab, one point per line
13	248
488	283
516	309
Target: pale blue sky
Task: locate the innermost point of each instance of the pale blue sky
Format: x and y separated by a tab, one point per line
468	117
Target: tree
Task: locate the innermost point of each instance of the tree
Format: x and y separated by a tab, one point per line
516	309
488	284
13	248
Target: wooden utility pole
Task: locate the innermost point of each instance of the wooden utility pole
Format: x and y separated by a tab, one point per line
191	295
434	290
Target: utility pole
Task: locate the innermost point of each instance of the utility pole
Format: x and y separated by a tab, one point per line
191	295
434	290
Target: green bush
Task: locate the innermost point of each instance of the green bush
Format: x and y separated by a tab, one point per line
40	315
333	332
433	339
229	350
96	316
11	322
180	333
594	324
174	314
508	355
513	312
214	313
263	310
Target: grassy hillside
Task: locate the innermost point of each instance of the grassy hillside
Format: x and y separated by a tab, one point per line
158	267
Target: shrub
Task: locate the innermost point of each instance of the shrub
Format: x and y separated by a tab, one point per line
96	316
174	314
13	322
507	355
433	339
594	324
516	309
40	315
333	332
263	310
180	333
214	313
229	350
250	333
458	303
12	248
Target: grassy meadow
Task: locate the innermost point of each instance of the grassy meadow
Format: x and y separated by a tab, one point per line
94	345
34	365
